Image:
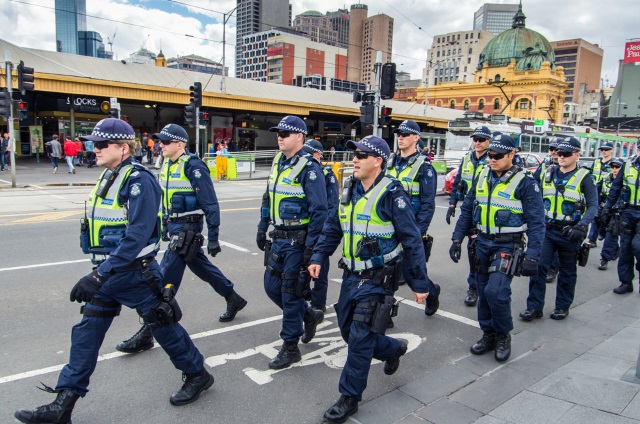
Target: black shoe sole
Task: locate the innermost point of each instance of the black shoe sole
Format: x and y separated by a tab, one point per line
341	420
140	349
297	359
195	398
529	318
221	319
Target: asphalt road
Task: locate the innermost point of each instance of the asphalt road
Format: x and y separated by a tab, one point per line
41	260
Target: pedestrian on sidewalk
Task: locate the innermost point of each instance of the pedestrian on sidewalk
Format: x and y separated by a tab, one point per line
55	151
70	154
79	153
4	149
138	152
91	156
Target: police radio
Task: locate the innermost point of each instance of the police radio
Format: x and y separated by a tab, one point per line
347	191
106	182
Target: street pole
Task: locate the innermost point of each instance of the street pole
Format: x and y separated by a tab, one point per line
376	104
12	138
225	19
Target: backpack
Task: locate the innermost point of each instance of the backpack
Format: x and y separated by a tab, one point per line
48	148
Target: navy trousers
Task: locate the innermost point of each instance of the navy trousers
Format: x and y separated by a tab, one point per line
132	290
471	278
173	266
363	344
555	241
321	286
293	307
610	248
494	289
629	245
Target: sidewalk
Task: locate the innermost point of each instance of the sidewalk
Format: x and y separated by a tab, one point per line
570	371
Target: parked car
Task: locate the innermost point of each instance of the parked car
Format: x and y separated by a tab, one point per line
531	162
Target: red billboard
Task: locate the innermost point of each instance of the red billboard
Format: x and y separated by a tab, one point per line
632	52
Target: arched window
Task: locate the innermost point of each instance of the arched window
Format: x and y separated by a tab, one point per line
496	104
552	104
466	104
452	104
481	104
439	103
497	78
523	104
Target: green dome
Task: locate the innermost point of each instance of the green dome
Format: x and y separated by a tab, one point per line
313	13
529	48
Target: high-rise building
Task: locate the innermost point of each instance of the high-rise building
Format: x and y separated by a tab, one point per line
71	18
340	23
367	36
316	26
257	16
494	18
196	63
90	44
582	63
454	56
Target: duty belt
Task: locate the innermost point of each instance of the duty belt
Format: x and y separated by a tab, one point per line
188	219
136	265
558	226
502	238
288	234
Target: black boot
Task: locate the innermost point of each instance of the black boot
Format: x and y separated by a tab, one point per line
57	412
289	353
485	344
235	303
139	342
312	317
503	347
391	365
603	265
194	384
433	302
472	297
341	410
552	274
624	288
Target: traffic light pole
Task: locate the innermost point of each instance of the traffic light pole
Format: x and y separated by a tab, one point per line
197	119
376	103
12	139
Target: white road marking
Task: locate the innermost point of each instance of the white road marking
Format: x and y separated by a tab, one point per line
233	246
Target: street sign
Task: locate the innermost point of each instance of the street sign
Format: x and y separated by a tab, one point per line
113	102
538	122
353	133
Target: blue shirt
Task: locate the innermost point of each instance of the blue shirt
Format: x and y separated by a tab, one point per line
198	174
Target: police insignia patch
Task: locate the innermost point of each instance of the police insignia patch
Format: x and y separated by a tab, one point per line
312	175
135	190
536	188
197	173
429	173
332	179
401	203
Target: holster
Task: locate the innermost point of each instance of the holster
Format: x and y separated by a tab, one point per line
427	242
583	255
377	313
85	243
186	243
303	286
167	311
615	225
267	252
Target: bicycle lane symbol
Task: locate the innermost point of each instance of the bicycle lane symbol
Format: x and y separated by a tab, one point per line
330	350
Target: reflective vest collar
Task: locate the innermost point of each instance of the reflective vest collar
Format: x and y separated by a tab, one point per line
501	198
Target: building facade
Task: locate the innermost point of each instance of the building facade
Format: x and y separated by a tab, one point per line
582	63
71	18
258	16
340	23
316	26
495	18
367	36
90	44
454	56
625	100
196	63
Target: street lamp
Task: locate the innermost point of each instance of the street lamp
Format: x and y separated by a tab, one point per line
225	19
625	122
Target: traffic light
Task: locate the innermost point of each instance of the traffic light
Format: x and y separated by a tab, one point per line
366	113
25	78
385	115
196	94
22	110
5	104
388	81
204	118
357	97
190	115
114	113
125	118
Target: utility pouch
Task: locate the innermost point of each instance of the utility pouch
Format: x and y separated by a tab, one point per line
264	208
177	241
462	190
427	242
165	228
583	255
382	314
192	247
394	277
267	252
84	236
303	285
505	262
178	204
166	313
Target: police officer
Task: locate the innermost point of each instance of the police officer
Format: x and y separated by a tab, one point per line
610	248
625	190
188	196
295	203
468	173
123	228
321	284
418	179
571	203
600	169
503	204
380	230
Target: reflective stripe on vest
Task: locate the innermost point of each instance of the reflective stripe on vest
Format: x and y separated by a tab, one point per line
408	176
174	180
572	193
283	185
631	177
362	220
500	197
597	170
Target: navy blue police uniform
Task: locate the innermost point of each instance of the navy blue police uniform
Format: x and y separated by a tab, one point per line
502	208
128	275
387	203
610	247
599	169
295	203
624	191
469	169
571	203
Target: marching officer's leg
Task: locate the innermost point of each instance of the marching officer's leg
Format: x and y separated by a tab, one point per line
567	275
488	341
314	314
537	283
552	274
609	250
472	291
625	260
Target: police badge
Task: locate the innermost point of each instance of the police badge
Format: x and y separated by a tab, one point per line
401	203
197	173
312	175
135	190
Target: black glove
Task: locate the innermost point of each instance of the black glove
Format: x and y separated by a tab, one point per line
261	240
574	234
213	248
306	258
605	215
529	266
450	212
455	250
86	288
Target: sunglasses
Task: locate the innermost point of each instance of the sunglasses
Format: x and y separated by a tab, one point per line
615	166
404	134
563	154
479	140
496	156
104	144
285	134
362	155
166	142
552	149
